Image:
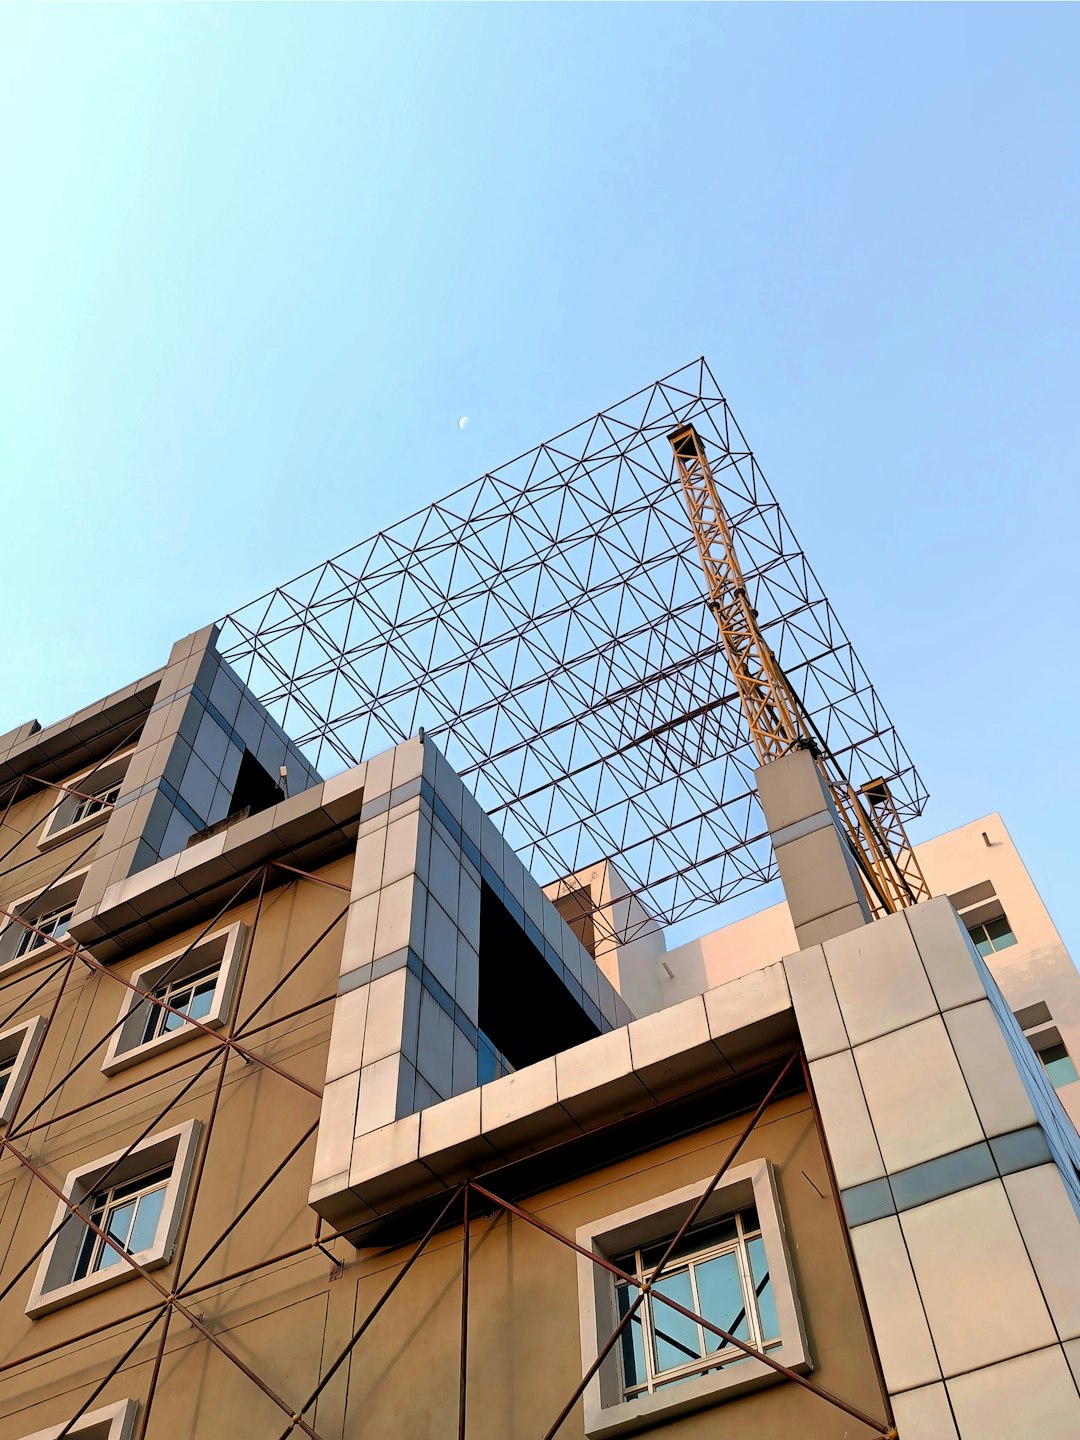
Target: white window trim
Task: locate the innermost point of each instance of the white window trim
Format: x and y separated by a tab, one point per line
53	948
112	1422
177	1147
24	1042
125	1048
99	776
606	1412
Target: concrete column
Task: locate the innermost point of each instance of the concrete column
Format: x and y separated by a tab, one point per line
821	884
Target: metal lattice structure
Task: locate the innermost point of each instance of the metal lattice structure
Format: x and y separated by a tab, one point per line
546	625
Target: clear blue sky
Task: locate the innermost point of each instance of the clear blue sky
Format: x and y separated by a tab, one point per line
245	250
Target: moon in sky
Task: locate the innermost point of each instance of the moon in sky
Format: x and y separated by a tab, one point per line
463	422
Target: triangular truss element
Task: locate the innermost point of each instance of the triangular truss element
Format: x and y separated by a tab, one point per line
546	625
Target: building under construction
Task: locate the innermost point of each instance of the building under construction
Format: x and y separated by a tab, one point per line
349	1085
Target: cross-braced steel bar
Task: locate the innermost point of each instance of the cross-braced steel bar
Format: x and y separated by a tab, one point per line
167	1296
200	1165
644	1289
174	1300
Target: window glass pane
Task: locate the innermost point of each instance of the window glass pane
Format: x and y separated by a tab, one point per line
1000	933
676	1337
202	1000
722	1300
982	942
759	1265
108	1258
487	1066
169	1021
119	1222
633	1343
1058	1065
82	1264
146	1221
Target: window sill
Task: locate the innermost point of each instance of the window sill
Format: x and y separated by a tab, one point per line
32	957
50	1300
688	1396
89	822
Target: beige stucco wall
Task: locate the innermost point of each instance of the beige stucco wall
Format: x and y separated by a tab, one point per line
525	1356
260	1116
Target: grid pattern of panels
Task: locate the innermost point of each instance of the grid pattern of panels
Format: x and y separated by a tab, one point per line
546	624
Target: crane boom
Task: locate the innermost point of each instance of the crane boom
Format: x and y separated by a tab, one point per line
777	719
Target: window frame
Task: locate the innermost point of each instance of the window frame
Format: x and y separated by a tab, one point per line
59	824
20	1044
126	1045
25	907
53	1286
995	949
692	1261
111	1422
608	1411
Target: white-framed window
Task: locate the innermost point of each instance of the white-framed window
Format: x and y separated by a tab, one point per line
47	914
732	1268
137	1198
112	1422
18	1047
48	928
87	801
197	982
128	1213
720	1271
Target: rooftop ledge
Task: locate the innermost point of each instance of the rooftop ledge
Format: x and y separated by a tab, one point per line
307	830
529	1119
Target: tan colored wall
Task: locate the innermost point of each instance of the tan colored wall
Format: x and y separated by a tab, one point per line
260	1117
524	1341
24	867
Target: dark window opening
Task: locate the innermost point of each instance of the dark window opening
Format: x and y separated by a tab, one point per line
525	1010
255	790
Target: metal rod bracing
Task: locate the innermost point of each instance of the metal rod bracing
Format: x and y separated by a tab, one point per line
200	1165
672	1246
170	1299
605	1264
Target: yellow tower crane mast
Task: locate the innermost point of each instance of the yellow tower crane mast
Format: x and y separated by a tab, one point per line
778	721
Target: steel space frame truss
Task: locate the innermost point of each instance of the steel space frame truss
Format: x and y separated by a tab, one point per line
547	625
